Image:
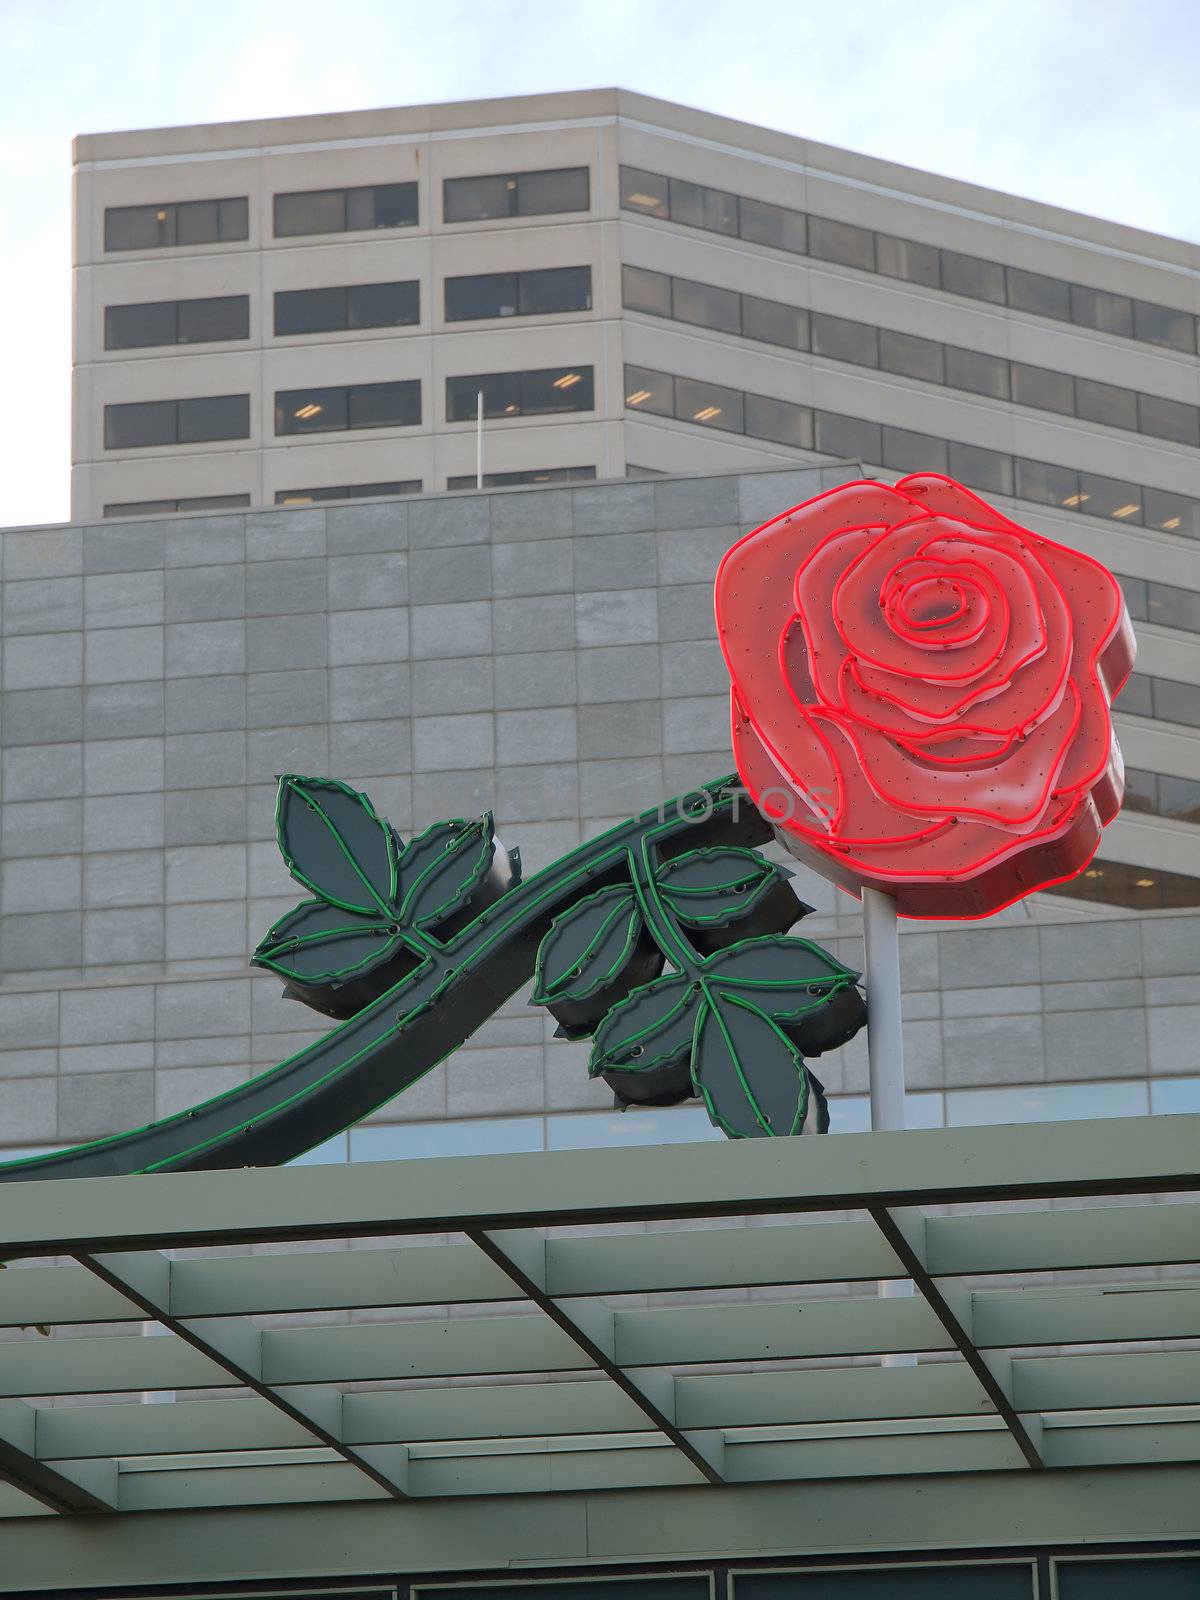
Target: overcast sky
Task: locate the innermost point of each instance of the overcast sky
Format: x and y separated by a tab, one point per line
1090	104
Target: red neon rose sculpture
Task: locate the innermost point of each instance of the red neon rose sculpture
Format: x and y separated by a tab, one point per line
922	692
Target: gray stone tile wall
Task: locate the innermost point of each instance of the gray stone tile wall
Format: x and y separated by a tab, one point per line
546	653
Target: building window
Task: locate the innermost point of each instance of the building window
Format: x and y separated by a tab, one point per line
907	260
345	491
357	405
762	223
519	294
779	421
1047	391
1048	485
642	290
176	223
357	305
850	438
972	278
1173	513
1043	296
706	306
977	373
158	508
509	480
159	322
695	205
1176	330
843	340
520	394
646	192
912	357
771	322
144	424
1168	419
1105	312
1104	402
904	451
841	243
712	405
515	194
649	391
987	470
378	205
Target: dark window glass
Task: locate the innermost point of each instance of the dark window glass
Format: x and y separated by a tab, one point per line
198	222
384	405
1049	391
913	452
156	508
894	1582
139	227
1174	702
1104	402
1109	497
697	206
649	391
235	218
642	290
907	260
710	404
487	294
1174	513
477	199
1134	590
1172	607
554	389
187	222
982	469
313	211
345	491
1136	699
139	425
394	205
707	306
1178	797
1142	889
763	223
969	276
645	192
841	242
218	416
849	438
541	194
386	205
1169	419
978	374
310	410
1048	485
136	327
1097	308
912	357
223	317
384	305
1117	1580
1164	325
779	421
310	311
515	194
508	480
774	323
842	340
555	289
501	396
1033	291
140	508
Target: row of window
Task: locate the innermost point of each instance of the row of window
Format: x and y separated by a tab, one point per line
716	211
901	450
139	424
158	508
512	480
349	491
1162	794
362	208
1166	699
864	345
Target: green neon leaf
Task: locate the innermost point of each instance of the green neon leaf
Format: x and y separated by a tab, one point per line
650	1029
334	844
318	943
785	977
747	1071
442	868
588	946
710	888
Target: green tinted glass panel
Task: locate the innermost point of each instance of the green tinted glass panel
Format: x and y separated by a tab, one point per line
647	1588
1167	1579
946	1582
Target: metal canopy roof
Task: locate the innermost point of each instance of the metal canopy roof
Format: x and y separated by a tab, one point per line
517	1357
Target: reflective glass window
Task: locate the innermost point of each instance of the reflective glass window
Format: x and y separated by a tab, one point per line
1136	600
642	290
485	294
551	389
912	357
1175	513
214	502
235	218
478	199
383	305
310	410
138	326
842	243
763	223
384	405
1097	308
977	373
393	205
541	193
1141	790
988	470
1141	889
1104	402
780	421
555	289
139	227
710	404
907	260
969	276
1048	485
1109	497
1034	291
309	311
697	206
849	438
1171	1579
515	194
219	416
1136	699
153	508
139	424
508	480
1048	391
1164	325
198	222
140	508
312	211
1169	419
222	317
650	391
346	491
187	222
1175	702
904	451
707	306
843	340
774	323
646	192
1172	607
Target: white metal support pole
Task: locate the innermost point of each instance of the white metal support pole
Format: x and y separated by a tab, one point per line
479	440
885	1045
